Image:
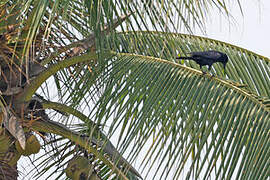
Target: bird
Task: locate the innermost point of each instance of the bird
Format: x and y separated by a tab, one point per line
209	57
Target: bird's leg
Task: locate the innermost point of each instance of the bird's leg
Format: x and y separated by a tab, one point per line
203	73
209	67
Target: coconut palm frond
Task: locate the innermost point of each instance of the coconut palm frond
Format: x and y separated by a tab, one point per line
177	114
244	66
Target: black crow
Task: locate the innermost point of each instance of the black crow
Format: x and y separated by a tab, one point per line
207	58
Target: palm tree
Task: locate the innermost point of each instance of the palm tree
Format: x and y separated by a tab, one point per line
76	75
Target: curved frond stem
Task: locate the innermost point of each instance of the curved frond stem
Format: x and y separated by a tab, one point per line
189	116
106	143
67	109
244	66
232	85
31	88
59	129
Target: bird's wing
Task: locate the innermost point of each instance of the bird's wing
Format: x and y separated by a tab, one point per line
207	54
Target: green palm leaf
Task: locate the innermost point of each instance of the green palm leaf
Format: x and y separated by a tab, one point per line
244	66
184	115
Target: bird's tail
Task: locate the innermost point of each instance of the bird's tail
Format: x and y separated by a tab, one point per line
185	57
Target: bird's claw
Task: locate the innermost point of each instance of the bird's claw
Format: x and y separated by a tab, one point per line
203	73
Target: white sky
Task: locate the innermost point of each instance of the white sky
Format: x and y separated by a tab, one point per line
250	31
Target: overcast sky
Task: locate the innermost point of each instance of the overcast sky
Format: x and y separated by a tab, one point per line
250	31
